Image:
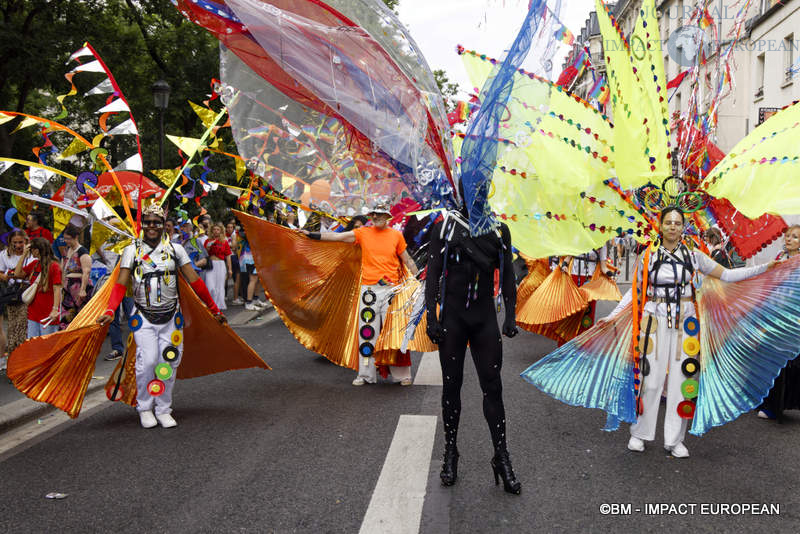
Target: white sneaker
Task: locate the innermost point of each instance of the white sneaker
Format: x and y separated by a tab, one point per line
260	303
406	382
635	444
147	419
679	450
359	381
250	306
237	301
166	420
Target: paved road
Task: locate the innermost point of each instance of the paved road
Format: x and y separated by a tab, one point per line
298	449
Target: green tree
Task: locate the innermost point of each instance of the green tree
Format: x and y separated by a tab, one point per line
448	89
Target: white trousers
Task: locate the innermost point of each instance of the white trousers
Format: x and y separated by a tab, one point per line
373	305
215	281
665	359
151	340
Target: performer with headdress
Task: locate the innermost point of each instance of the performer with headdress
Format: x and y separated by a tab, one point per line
153	264
659	318
466	277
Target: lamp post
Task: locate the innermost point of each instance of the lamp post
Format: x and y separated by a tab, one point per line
161	100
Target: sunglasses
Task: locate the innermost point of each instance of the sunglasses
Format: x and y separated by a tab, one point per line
153	222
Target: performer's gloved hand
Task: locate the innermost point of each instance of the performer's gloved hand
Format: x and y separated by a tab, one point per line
435	330
510	326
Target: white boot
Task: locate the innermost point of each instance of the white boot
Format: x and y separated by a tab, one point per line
166	420
635	444
147	419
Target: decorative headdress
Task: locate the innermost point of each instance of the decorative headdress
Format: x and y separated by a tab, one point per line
154	209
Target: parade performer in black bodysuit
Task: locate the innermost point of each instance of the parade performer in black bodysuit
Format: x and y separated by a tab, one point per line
465	276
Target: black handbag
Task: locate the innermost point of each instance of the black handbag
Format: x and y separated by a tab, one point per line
12	293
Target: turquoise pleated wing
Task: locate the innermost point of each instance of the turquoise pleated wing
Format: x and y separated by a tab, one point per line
594	370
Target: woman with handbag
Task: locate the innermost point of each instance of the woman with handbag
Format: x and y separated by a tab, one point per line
12	294
45	293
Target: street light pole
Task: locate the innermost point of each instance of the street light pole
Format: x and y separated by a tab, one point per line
161	92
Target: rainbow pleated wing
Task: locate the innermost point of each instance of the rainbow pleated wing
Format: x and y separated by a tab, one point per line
749	331
594	370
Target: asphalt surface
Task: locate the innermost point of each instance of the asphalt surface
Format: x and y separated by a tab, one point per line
298	449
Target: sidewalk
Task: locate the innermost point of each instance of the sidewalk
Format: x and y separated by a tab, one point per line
17	409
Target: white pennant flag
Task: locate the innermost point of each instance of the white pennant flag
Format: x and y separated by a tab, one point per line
38	177
80	53
133	163
124	128
92	66
101	88
116	105
101	210
5	165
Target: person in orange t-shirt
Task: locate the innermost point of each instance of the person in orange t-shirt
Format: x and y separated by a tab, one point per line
382	250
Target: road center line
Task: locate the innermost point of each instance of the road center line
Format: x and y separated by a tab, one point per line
396	504
429	372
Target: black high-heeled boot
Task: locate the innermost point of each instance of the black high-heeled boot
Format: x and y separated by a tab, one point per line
501	465
449	466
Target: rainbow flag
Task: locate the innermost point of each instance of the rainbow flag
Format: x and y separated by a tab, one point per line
564	35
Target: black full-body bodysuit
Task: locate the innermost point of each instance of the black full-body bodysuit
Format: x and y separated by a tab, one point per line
468	268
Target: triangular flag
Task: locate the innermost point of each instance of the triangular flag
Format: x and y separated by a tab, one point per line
27	121
92	66
84	51
75	147
61	218
206	115
5	118
188	145
5	165
101	88
124	128
116	105
38	177
166	176
133	163
101	210
241	166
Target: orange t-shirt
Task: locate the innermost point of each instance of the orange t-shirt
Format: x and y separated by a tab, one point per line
380	254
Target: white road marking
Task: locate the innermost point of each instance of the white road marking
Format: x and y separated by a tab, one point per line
47	423
396	504
430	371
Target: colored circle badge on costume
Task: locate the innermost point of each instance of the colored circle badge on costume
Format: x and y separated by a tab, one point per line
135	322
170	354
163	371
176	338
690	366
367	315
369	297
645	367
690	388
366	349
367	332
587	322
691	346
686	409
179	320
110	391
650	345
155	387
691	326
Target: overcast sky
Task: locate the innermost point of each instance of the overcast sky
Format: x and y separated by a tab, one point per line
486	26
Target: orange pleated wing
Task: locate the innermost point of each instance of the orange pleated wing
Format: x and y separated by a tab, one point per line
537	272
313	285
398	318
556	298
600	287
57	368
